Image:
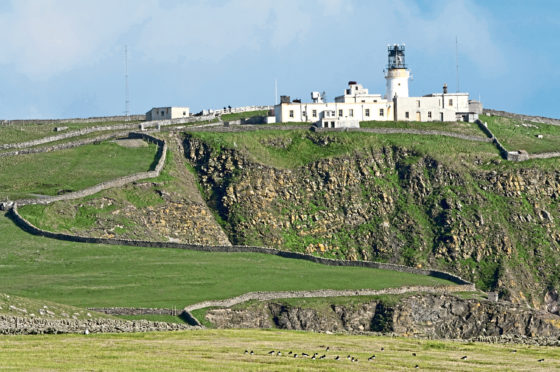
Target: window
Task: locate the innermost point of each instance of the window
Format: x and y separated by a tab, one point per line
162	112
184	113
367	112
381	112
418	103
351	113
374	100
429	114
291	113
450	102
407	115
340	113
314	113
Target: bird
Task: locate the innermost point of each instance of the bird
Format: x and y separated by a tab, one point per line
372	357
290	353
413	354
348	357
336	357
315	354
271	352
295	355
279	354
328	348
322	356
355	360
463	357
313	357
251	352
416	366
514	351
540	360
382	348
246	352
304	354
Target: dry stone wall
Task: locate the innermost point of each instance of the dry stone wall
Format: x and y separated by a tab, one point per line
99	119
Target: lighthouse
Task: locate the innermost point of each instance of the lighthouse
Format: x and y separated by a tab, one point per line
397	74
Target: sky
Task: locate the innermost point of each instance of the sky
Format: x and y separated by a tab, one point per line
66	58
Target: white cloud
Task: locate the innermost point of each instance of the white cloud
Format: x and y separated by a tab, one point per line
44	38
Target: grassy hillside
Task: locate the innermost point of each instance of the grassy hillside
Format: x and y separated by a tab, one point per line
224	350
522	135
88	275
26	132
453	127
291	149
71	169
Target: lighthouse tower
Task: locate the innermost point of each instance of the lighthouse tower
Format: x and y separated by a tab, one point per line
397	75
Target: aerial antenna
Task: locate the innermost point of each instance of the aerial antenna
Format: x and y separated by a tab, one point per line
457	61
126	98
275	92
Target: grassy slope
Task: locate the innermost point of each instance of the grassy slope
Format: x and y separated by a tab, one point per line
224	350
514	136
99	275
27	132
243	115
48	173
453	127
302	150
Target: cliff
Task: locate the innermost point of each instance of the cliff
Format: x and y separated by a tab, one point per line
491	222
427	315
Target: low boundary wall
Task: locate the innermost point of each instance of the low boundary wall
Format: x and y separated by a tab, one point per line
94	119
29	227
267	296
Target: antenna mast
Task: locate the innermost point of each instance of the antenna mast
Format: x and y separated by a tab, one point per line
457	61
126	99
275	92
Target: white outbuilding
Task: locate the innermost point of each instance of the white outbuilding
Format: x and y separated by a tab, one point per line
166	113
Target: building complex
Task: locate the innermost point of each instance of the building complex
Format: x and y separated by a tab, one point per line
357	104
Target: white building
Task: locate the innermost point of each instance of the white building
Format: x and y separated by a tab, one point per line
166	113
357	104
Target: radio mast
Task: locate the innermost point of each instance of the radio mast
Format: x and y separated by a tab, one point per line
126	98
457	61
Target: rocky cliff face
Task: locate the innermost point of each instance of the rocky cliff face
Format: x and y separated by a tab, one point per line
434	316
495	224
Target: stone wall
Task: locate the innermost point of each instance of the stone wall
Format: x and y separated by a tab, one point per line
98	119
267	296
62	146
134	311
15	325
27	226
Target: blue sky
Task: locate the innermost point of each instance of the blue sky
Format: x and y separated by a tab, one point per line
64	59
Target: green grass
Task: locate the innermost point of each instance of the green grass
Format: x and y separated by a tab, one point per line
89	275
514	136
71	169
211	350
27	132
461	127
306	147
244	115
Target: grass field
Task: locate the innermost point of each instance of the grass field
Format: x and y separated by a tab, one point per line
207	350
460	127
521	135
70	169
303	147
27	132
88	275
243	115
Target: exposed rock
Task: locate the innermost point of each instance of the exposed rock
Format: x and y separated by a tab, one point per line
427	315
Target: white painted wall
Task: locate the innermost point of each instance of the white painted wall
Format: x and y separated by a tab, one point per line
397	83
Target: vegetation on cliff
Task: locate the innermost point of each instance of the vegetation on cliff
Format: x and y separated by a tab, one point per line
410	199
